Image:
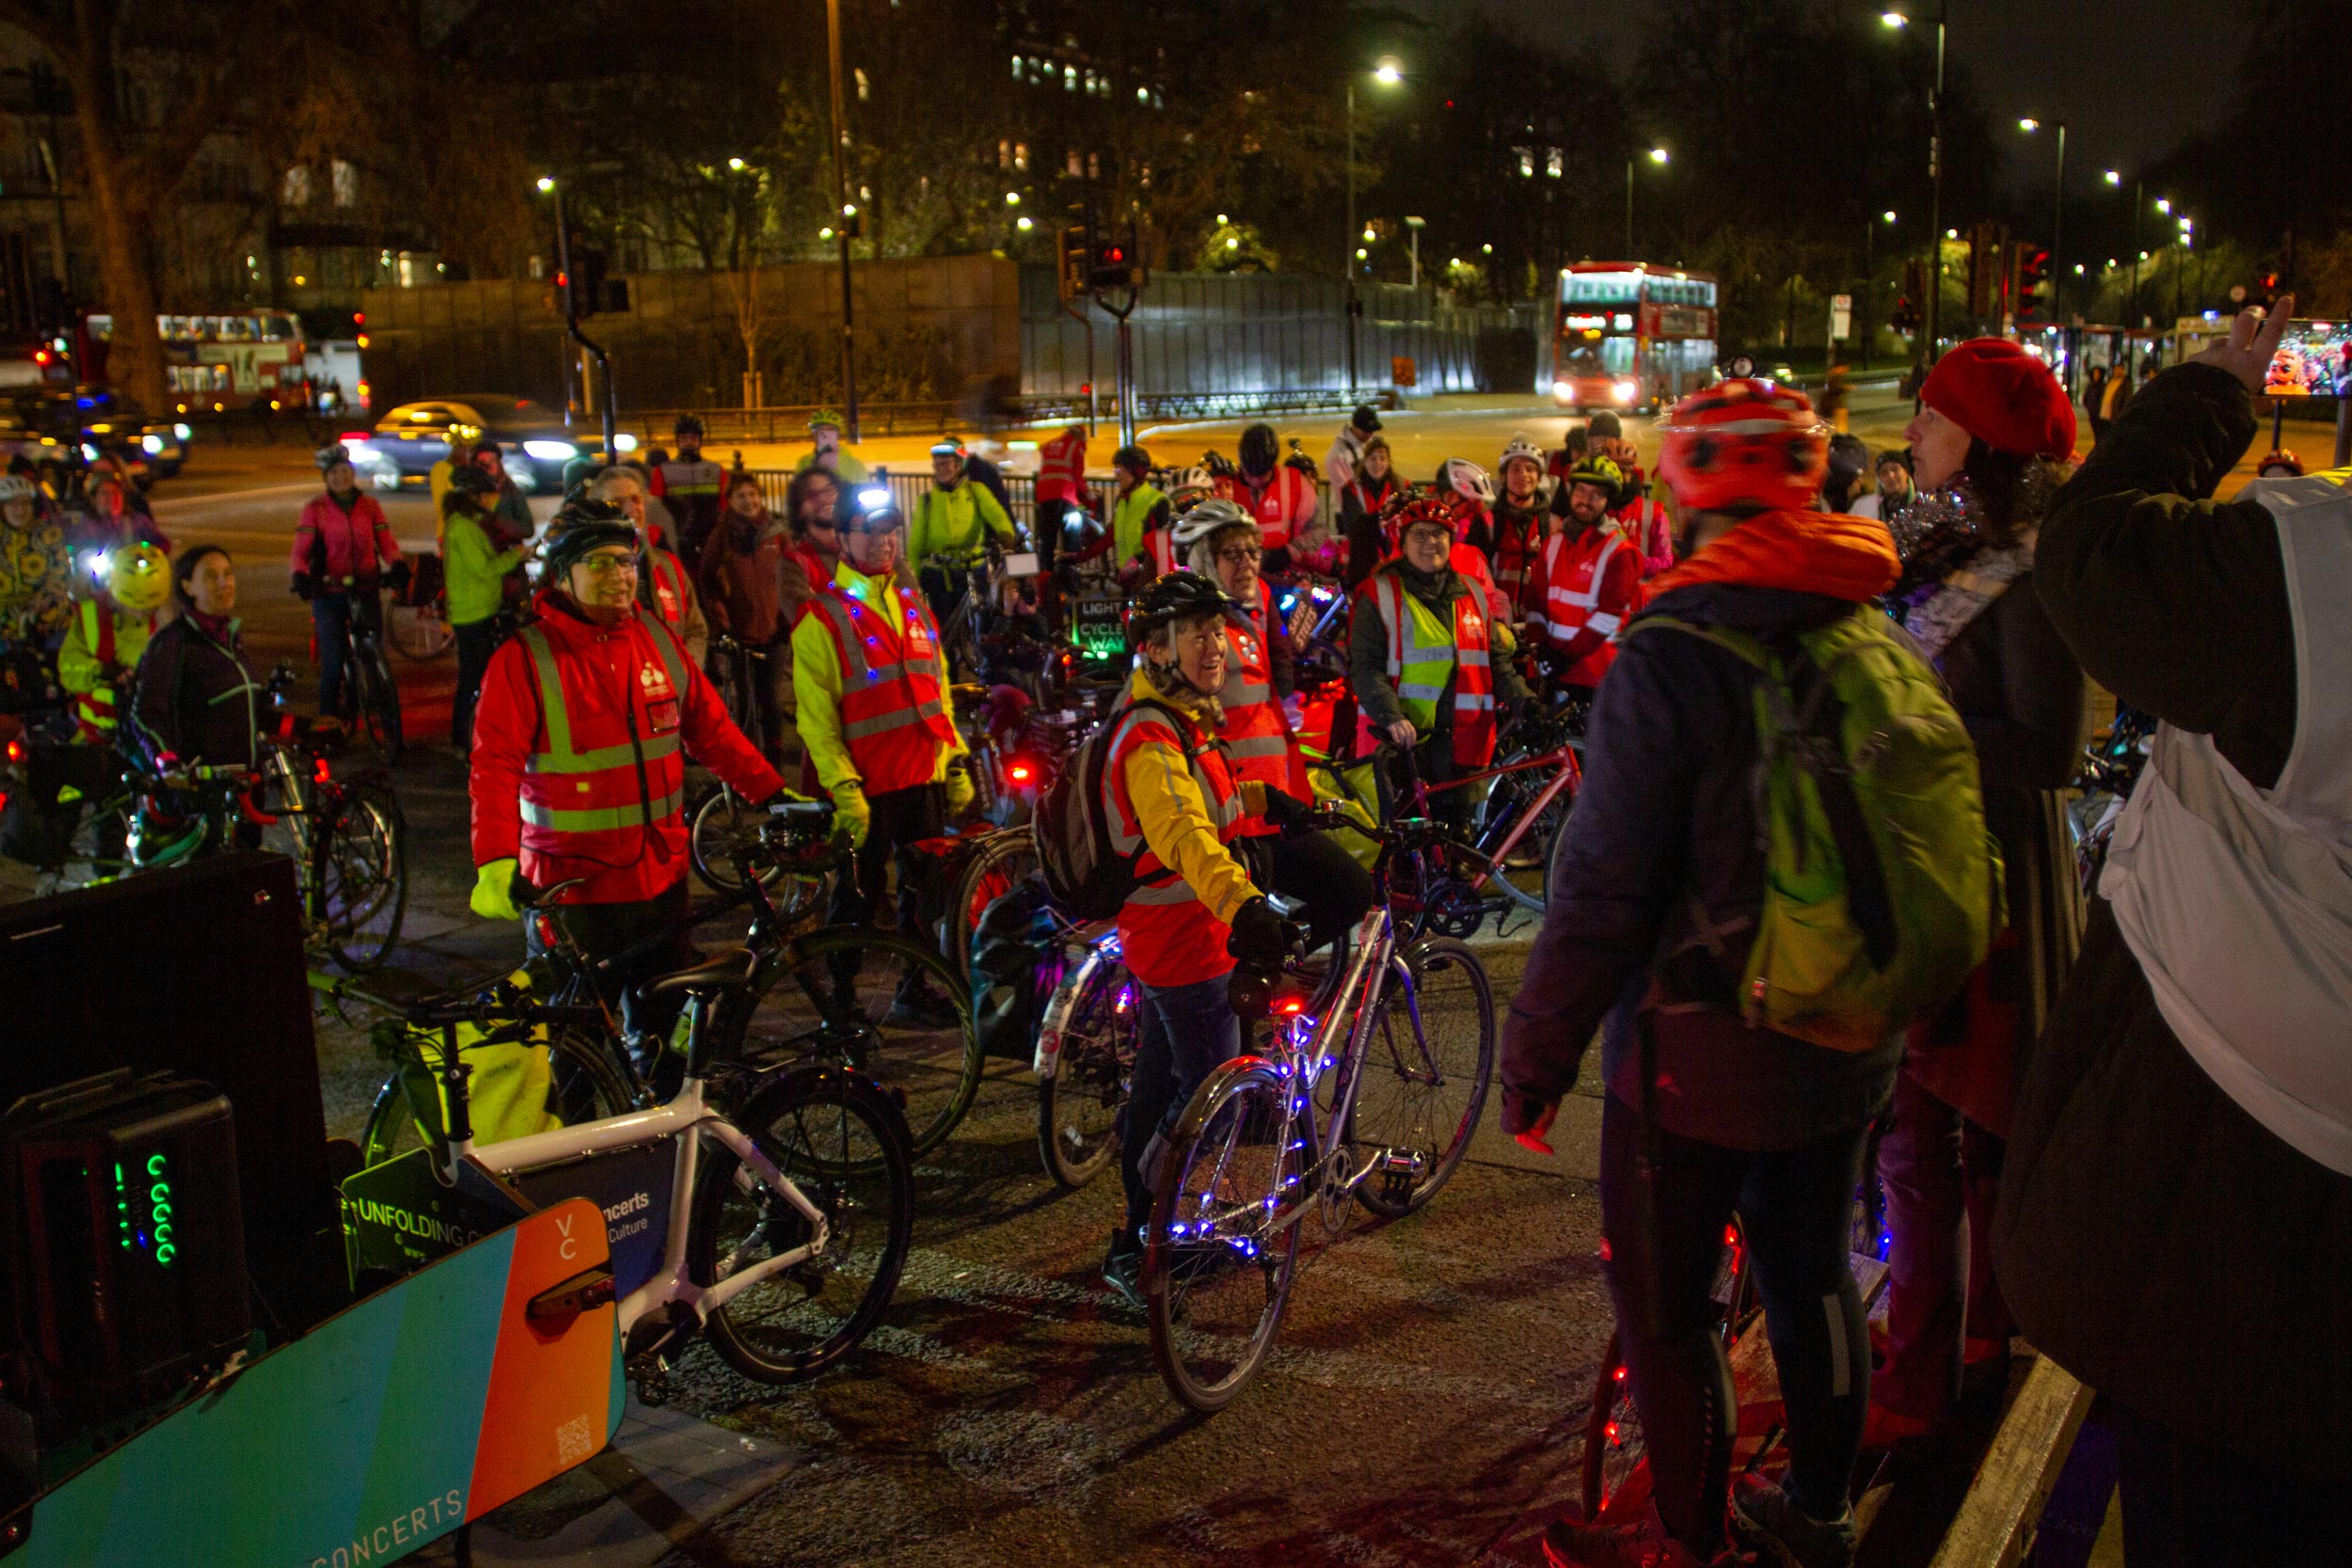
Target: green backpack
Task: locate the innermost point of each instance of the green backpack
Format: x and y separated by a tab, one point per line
1882	891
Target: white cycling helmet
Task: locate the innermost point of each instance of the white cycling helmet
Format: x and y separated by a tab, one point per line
1519	446
1468	480
1206	520
14	488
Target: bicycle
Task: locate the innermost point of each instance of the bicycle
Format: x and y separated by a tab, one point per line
371	696
2111	768
1373	1101
777	1233
720	821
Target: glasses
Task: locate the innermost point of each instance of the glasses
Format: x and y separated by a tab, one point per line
1246	555
1203	636
1437	538
607	565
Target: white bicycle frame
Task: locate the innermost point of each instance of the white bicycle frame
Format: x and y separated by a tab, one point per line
686	1121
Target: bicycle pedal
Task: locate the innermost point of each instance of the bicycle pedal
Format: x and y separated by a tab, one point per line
652	1378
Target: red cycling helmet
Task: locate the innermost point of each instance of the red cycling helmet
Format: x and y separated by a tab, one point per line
2280	457
1744	444
1409	506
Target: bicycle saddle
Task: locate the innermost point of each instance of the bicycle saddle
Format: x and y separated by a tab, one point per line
726	970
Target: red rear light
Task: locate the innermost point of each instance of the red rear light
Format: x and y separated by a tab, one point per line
353	436
16	750
319	772
1020	773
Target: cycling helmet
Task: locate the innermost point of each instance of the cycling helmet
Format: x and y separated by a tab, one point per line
822	418
876	502
326	457
466	479
2280	458
1217	463
1133	458
582	526
1409	506
1172	598
687	424
17	487
138	577
1206	520
1520	447
948	445
1466	479
1744	444
1187	486
1258	450
1600	473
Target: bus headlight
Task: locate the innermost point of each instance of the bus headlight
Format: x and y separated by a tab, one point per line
550	452
1561	390
1626	391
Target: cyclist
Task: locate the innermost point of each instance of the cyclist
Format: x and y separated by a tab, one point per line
1419	659
1347	449
1362	499
827	452
1590	578
109	632
344	550
688	484
871	678
1660	866
812	552
511	522
1061	487
953	520
1157	554
742	582
477	575
1172	801
35	565
586	718
1140	507
662	584
192	698
1280	497
1220	541
1521	527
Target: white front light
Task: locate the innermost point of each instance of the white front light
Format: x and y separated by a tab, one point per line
95	563
1626	391
1561	390
151	443
182	431
625	441
551	452
89	453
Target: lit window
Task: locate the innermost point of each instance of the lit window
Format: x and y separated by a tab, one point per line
1551	164
1021	156
1016	68
344	180
294	189
1094	165
1527	165
865	88
1073	168
1004	154
1070	78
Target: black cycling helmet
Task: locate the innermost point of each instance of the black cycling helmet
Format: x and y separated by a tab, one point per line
466	479
1258	450
687	424
580	526
1132	457
1174	597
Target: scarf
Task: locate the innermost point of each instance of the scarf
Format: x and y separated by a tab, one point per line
1951	574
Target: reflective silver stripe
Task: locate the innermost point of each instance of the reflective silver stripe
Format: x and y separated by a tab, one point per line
1174	891
1421	691
559	757
1390	595
1474	702
1476	657
597	819
1605	625
1260	746
1590	596
1243	693
844	636
896	720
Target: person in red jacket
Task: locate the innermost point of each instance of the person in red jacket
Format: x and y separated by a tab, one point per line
343	553
1061	486
586	718
1591	577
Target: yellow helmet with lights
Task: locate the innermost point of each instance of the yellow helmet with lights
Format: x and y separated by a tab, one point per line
138	577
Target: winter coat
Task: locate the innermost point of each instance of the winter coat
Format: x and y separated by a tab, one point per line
193	696
2153	1238
1665	825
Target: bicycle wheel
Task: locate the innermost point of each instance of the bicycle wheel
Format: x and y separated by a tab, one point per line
418	632
1078	1107
722	827
584	1085
379	700
1526	869
841	1142
1424	1074
1002	862
880	1004
363	876
1216	1275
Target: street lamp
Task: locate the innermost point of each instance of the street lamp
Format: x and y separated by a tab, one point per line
1388	73
1925	350
2058	217
1657	155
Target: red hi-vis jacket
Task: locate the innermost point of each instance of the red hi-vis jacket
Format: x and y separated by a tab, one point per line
577	764
1420	664
1166	935
1159	548
1256	732
1279	508
1061	467
893	714
1592	581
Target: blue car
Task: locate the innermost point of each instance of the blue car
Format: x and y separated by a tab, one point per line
411	437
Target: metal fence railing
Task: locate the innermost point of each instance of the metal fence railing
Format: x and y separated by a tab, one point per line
1020	492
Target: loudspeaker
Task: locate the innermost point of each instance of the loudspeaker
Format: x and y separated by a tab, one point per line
196	970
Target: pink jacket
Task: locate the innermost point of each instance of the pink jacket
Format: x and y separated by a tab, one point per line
355	545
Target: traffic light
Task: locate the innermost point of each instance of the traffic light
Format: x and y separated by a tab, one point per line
1069	262
586	281
1113	264
2029	270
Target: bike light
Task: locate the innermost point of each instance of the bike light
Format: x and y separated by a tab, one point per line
95	563
1020	773
873	498
319	772
152	444
182	431
89	453
1626	391
1561	390
16	750
550	452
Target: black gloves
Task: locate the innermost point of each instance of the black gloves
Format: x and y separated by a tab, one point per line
303	586
1260	939
396	576
1285	810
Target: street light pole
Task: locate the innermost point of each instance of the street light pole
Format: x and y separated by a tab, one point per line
1348	255
842	216
1925	350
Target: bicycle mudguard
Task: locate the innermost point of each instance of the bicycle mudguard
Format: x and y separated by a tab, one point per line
424	1406
786	1084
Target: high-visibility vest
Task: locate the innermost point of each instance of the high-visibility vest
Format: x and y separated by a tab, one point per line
606	773
893	714
1129	514
1256	732
112	641
1061	467
1519	546
1277	508
1166	935
1425	652
1160	545
665	591
1574	568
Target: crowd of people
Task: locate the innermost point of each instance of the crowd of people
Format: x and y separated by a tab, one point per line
2127	1137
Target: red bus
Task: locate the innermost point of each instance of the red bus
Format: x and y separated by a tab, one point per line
214	363
1627	335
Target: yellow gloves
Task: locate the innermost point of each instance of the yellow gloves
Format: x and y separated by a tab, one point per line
494	892
960	790
852	815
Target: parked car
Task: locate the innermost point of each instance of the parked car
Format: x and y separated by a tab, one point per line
412	436
89	420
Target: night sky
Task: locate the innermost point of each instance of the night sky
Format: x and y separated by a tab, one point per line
2130	77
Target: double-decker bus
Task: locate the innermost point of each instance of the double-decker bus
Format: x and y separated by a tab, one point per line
1631	336
214	363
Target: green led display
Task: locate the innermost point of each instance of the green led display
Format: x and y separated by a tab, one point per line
159	1209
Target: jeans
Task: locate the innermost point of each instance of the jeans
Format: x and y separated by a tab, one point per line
602	930
476	644
1188	1032
1794	1205
901	817
332	618
1943	1176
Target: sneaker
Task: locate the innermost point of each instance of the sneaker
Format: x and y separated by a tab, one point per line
1784	1534
925	1009
1122	1267
1571	1544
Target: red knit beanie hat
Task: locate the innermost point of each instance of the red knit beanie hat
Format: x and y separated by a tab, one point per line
2004	397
